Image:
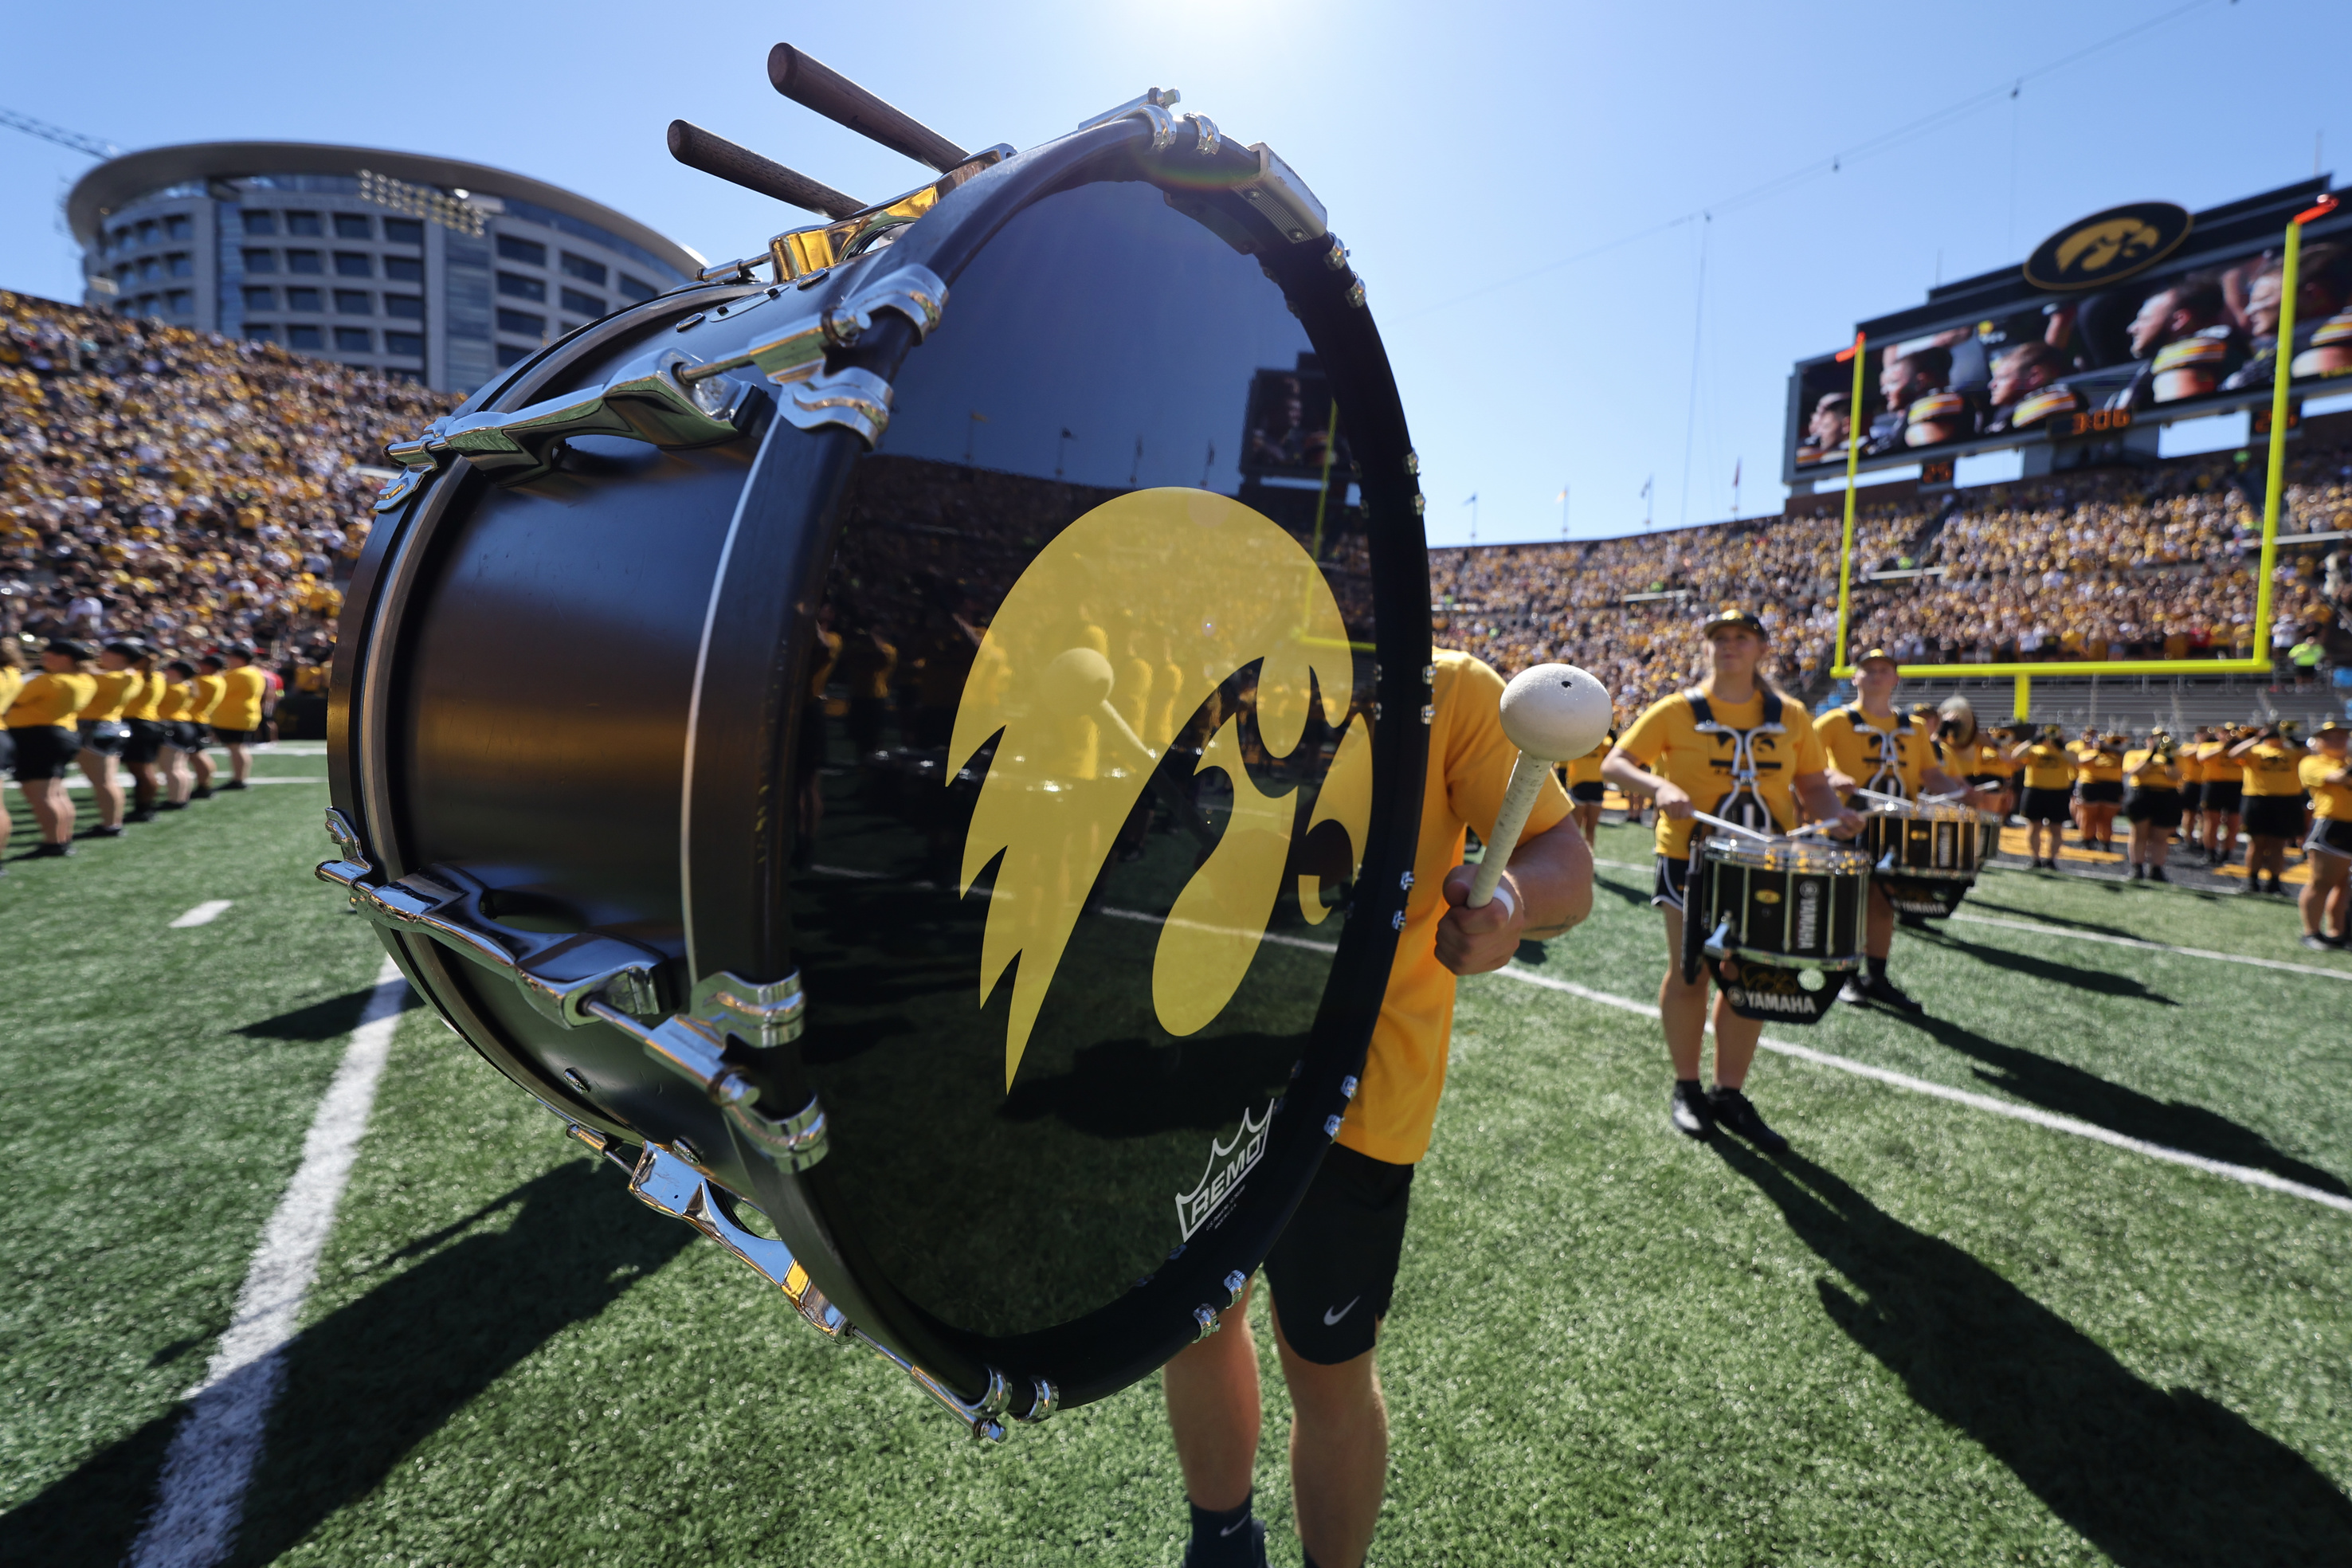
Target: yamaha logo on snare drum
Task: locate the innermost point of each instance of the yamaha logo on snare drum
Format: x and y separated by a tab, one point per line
1228	1164
1809	916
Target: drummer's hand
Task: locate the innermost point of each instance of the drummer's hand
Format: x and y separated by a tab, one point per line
1673	800
1840	783
1475	942
1847	823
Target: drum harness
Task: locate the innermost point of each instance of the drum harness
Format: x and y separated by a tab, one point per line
1743	803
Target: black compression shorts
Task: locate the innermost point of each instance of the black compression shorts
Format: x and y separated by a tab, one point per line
2043	806
106	738
146	740
43	751
2101	792
2221	796
1666	891
1590	791
2275	816
2156	807
1333	1273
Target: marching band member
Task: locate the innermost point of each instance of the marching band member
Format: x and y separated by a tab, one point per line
2098	787
145	746
41	723
1748	750
236	718
2328	851
2221	796
2048	764
2271	762
208	686
1333	1271
1872	746
104	735
12	681
1585	788
2151	806
191	772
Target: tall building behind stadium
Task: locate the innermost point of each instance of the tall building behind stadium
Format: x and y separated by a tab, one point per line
431	268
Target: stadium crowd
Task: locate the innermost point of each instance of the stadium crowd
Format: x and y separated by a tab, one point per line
177	510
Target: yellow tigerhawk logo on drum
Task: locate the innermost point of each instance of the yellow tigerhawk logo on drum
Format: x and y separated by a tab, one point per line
1106	648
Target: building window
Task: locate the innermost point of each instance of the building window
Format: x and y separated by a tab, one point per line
354	340
180	264
303	260
408	345
516	286
180	302
404	231
261	332
150	267
586	304
125	272
303	223
352	226
513	249
587	271
510	355
299	336
522	322
147	231
260	260
404	269
261	299
302	300
122	238
355	302
179	226
260	223
354	264
409	306
637	288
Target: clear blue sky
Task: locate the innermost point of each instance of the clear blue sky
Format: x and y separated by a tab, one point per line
1459	149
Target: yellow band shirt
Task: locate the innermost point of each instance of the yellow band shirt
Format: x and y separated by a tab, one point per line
2273	768
1667	740
1889	755
2155	775
1469	765
2048	766
2331	802
49	699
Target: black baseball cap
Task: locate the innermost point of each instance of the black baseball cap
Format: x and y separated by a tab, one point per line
1732	615
68	647
1875	653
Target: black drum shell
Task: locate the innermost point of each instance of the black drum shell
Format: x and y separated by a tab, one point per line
1783	925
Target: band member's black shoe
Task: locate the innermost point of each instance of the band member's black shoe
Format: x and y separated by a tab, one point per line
234	783
1735	1114
2318	943
1861	988
2156	874
174	805
1255	1548
1689	1112
52	852
144	814
202	792
2139	873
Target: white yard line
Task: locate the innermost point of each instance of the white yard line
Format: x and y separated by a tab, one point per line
201	1493
204	914
1985	1102
2110	941
81	786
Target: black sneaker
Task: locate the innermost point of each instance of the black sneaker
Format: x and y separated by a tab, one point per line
1886	993
144	814
1257	1541
204	793
1852	993
2156	874
52	852
2318	943
1733	1112
234	783
2139	873
1687	1108
103	832
174	805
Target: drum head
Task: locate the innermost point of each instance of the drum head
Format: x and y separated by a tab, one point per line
1091	770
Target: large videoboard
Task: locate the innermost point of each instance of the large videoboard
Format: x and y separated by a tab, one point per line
2134	316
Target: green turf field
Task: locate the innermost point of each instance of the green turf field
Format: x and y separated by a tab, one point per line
1934	1335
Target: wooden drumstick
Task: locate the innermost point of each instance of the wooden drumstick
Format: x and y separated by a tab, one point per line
1552	713
1076	684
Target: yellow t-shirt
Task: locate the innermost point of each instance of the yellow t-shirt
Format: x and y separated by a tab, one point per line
1667	740
2156	775
173	706
1469	765
1980	758
2214	762
242	689
2332	802
143	702
1891	758
2097	764
12	681
2273	768
1586	769
49	699
2048	766
114	689
207	696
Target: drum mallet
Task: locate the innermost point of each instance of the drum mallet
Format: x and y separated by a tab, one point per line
1552	713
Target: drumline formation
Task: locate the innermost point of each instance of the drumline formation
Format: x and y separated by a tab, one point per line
155	713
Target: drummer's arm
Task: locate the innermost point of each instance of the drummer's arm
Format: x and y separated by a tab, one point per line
1820	799
1936	780
1632	779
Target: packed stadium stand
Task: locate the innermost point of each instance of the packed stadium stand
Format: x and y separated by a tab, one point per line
2147	562
182	488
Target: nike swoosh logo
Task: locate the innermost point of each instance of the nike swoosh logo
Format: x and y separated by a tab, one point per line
1331	1318
1237	1524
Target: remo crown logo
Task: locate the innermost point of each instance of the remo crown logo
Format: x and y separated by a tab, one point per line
2108	247
1171	592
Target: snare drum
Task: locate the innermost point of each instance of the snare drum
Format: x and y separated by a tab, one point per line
1779	921
1925	853
1026	1016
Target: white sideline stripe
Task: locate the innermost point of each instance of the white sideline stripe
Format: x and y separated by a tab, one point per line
2055	1124
200	1495
204	914
81	786
2111	940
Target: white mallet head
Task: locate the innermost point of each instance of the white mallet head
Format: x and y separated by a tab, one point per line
1556	712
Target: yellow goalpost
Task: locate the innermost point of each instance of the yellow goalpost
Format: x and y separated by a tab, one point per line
2259	662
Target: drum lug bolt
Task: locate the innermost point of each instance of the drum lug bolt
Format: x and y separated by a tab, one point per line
1348	1087
1235	1283
576	1079
1405	882
1330	1127
1413	462
1205	1316
1396	920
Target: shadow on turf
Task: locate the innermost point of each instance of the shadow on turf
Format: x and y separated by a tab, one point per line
2086	1097
329	1020
371	1380
2074	975
2150	1476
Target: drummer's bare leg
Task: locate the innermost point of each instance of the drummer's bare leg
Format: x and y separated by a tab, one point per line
1734	1044
1214	1411
1588	821
1339	1452
1682	1007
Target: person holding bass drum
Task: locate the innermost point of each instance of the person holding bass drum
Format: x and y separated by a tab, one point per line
1749	750
2151	804
1872	746
2327	901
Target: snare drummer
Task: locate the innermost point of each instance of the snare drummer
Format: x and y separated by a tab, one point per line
1749	750
1334	1268
1871	746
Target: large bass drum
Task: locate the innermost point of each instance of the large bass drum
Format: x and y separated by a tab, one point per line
921	759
